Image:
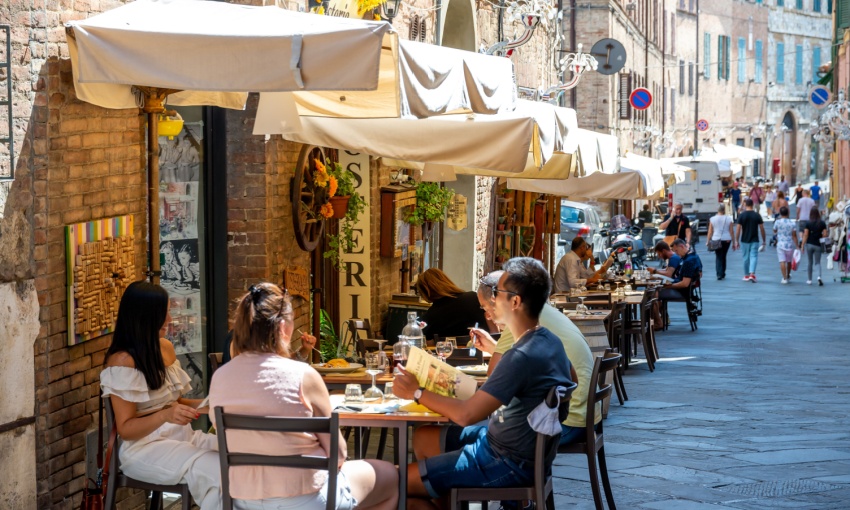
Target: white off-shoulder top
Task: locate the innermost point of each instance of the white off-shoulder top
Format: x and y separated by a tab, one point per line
129	384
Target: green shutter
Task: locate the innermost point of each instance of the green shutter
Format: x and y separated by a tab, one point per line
727	58
720	39
842	14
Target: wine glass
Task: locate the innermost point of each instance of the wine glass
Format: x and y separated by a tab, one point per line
400	351
444	350
373	368
385	363
581	308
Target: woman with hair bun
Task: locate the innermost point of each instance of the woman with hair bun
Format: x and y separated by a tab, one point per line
262	380
144	381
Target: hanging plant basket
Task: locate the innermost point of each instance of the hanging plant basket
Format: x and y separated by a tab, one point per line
340	206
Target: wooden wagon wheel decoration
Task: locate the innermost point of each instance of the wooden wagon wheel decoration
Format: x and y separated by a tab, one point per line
307	199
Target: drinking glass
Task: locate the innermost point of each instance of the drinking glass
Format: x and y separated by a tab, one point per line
388	392
444	350
453	341
581	308
628	287
373	368
400	352
385	362
353	394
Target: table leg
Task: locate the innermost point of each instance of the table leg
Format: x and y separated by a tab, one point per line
401	452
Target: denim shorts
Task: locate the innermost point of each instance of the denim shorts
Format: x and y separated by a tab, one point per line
469	461
316	501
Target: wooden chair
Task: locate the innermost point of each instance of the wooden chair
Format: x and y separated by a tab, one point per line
693	304
226	421
215	361
541	491
118	479
616	325
593	446
641	329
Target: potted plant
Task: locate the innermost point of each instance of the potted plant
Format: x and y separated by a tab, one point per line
344	203
502	255
432	201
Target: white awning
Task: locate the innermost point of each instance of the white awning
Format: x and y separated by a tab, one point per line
746	155
624	185
670	172
212	50
419	80
503	143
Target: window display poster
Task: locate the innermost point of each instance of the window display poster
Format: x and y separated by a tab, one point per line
179	190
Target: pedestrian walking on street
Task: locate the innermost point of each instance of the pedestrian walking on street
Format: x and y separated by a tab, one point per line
786	241
812	234
768	200
778	204
735	195
720	231
798	194
783	186
804	208
747	237
815	191
757	196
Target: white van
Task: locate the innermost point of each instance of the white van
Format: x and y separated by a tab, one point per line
701	191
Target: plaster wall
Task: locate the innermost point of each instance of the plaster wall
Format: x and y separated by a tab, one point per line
19	326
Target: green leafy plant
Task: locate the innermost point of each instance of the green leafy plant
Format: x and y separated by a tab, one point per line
328	341
346	187
432	201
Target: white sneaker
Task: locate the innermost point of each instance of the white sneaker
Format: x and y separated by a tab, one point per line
784	281
808	282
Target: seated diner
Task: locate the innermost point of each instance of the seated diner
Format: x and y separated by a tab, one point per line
453	311
262	380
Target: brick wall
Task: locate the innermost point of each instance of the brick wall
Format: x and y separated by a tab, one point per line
88	164
261	239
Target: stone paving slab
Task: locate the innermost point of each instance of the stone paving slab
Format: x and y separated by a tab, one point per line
754	397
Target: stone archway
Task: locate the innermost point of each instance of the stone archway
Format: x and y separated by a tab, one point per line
458	25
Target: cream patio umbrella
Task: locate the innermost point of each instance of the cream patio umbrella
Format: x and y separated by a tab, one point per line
197	52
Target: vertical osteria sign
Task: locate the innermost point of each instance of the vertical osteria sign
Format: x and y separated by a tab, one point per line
355	293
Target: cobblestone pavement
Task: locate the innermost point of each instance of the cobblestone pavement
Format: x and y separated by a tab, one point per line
748	412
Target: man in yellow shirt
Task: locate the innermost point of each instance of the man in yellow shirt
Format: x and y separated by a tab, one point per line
575	346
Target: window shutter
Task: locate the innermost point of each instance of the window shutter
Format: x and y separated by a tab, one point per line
759	61
780	63
742	62
625	90
726	54
798	65
843	14
815	64
681	76
720	57
691	78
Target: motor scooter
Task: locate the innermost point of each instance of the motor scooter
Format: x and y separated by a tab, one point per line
625	244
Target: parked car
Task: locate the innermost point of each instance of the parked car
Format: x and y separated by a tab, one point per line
580	220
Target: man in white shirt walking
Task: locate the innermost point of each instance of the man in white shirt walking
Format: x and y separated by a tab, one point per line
804	208
572	272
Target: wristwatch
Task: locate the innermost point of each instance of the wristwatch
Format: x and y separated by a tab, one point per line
418	394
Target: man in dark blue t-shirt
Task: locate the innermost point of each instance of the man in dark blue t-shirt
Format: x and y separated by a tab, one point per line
735	195
689	270
500	453
670	261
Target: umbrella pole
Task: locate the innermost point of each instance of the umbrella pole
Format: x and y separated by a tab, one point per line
154	105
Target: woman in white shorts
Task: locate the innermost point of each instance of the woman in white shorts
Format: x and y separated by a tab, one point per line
786	242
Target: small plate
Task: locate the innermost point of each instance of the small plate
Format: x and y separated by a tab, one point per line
322	369
473	369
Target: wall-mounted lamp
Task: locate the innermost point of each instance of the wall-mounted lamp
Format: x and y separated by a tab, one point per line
391	9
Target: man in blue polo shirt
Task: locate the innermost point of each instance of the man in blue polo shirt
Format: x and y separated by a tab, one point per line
500	453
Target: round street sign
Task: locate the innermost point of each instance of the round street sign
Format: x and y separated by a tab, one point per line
640	98
702	125
610	54
819	96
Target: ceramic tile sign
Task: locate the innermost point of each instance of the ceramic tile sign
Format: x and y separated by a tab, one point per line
100	262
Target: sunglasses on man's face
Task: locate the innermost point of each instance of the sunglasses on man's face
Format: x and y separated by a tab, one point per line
496	290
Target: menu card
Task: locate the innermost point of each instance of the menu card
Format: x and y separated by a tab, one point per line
439	377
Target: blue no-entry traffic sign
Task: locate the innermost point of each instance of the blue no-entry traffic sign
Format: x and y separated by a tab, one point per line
640	98
819	96
702	125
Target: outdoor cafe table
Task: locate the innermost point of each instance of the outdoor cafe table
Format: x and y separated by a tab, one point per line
400	421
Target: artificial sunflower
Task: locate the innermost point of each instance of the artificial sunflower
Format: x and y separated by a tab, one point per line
327	210
332	186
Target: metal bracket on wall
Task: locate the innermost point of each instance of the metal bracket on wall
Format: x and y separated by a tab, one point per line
6	103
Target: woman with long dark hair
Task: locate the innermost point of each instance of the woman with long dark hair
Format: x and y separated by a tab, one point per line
815	230
262	380
144	380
